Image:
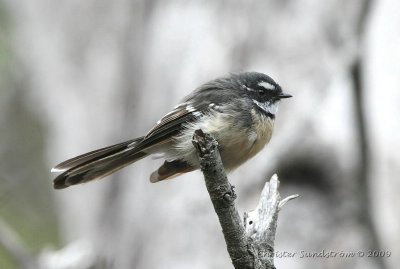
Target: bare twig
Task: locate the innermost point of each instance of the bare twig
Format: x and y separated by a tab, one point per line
250	246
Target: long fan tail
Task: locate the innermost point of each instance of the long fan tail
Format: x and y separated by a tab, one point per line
97	164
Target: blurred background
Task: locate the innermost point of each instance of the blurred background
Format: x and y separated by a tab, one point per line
79	75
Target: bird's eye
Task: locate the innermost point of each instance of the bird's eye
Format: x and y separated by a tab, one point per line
261	93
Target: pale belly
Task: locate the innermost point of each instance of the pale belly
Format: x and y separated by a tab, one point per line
238	143
238	151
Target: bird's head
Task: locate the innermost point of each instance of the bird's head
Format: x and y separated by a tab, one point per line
264	92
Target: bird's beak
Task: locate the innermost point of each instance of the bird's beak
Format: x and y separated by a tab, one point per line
284	95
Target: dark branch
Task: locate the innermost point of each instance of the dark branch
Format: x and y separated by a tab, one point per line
250	246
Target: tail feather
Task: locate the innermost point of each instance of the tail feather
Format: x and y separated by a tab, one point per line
95	155
97	164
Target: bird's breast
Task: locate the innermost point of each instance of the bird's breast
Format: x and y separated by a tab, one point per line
239	139
245	143
264	127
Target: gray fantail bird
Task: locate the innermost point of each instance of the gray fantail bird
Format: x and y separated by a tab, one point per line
238	110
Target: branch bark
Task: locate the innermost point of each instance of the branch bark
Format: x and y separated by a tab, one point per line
250	246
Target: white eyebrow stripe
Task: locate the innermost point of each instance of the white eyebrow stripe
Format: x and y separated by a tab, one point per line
266	85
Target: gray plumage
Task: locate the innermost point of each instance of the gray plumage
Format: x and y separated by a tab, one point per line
238	110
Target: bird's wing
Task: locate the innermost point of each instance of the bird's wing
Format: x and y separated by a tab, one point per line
171	124
199	103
